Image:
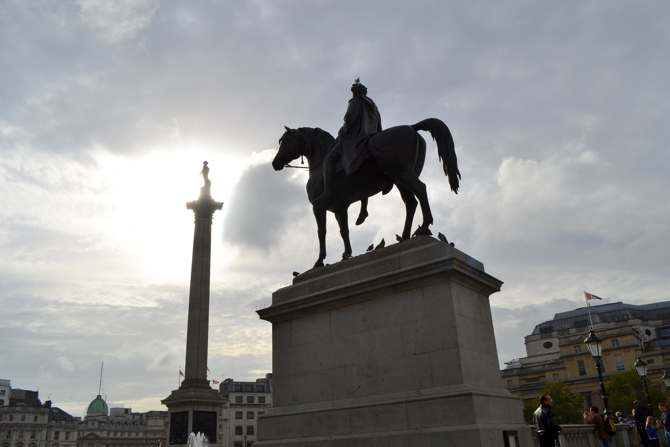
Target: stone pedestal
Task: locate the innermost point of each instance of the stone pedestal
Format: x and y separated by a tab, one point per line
391	348
195	407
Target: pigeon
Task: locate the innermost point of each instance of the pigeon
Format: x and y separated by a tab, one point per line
370	248
442	237
398	238
381	244
296	274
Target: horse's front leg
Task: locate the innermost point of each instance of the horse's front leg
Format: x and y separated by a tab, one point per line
343	221
320	216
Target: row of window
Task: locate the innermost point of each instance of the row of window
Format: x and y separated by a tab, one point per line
33	435
249	388
239	430
11	417
250	399
240	414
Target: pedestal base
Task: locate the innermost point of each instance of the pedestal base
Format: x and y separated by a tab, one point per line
393	348
194	410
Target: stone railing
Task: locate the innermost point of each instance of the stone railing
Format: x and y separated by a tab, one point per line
585	436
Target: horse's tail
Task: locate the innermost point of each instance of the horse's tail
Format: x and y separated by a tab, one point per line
445	148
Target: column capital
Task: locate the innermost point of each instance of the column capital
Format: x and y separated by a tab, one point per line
205	206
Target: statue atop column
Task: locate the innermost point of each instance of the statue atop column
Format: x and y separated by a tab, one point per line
205	174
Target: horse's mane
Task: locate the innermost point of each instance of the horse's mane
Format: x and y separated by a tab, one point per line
317	139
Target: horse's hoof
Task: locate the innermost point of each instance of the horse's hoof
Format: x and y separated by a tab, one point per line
422	232
318	263
346	256
361	218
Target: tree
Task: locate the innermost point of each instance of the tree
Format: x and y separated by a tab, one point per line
568	408
626	387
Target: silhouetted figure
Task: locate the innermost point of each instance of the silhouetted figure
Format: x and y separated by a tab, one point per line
370	248
382	244
442	237
296	274
205	174
398	238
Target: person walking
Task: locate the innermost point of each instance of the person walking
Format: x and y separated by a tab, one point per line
652	432
545	422
592	417
641	413
665	422
632	428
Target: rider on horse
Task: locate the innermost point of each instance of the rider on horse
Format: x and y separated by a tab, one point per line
361	120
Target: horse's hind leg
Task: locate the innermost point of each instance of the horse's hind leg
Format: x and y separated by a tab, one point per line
320	216
410	181
410	209
343	221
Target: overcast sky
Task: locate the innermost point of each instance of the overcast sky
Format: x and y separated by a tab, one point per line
559	111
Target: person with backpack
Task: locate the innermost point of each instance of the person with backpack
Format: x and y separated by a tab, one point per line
603	430
652	432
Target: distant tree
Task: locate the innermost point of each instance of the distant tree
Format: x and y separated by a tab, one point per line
568	408
626	387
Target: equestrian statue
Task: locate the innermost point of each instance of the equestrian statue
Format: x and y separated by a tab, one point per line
363	161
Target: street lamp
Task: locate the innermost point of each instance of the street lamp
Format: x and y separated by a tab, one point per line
641	367
595	345
666	378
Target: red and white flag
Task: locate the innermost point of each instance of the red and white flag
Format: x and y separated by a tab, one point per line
590	296
216	382
181	373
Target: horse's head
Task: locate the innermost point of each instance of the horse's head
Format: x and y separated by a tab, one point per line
291	146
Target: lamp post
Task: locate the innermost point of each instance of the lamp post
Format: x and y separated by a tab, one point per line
666	378
595	344
641	367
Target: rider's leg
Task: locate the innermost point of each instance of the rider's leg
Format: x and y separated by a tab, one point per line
328	168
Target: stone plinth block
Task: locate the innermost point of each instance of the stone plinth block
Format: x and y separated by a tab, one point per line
391	348
194	410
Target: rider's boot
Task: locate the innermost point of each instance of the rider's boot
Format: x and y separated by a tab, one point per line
364	211
327	182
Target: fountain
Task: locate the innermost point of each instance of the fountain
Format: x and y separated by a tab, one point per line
199	440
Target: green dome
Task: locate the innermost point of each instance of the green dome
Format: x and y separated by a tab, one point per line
98	406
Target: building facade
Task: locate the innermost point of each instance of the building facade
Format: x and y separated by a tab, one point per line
5	386
120	427
37	425
246	401
556	351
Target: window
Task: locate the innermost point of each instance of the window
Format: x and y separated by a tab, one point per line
239	399
238	430
615	343
547	344
9	434
11	417
238	444
238	415
510	383
67	435
261	399
23	417
250	399
250	443
250	414
619	362
21	434
250	429
35	419
2	402
33	434
650	361
578	349
259	388
248	388
588	400
2	392
581	367
238	387
555	377
621	318
56	435
546	330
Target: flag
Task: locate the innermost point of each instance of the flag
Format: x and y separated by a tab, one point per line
215	382
181	373
590	296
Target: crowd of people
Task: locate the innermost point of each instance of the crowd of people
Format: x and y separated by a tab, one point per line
643	427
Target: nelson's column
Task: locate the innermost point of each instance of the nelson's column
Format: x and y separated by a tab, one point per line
195	406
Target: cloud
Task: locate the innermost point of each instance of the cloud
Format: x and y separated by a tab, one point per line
118	20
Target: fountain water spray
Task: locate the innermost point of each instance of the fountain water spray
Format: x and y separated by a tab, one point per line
199	440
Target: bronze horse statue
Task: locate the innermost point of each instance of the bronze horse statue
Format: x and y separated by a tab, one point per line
395	157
